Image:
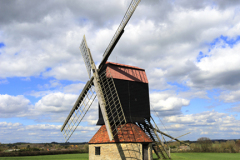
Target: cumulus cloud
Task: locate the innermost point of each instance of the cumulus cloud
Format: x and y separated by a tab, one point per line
233	96
235	109
168	41
55	107
220	69
39	133
201	119
175	41
74	88
55	102
52	107
13	105
212	124
166	104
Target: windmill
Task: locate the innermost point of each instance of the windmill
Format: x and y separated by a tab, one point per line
124	108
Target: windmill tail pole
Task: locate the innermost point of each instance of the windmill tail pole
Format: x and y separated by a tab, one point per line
180	136
170	136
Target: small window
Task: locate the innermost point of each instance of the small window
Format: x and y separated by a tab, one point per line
97	150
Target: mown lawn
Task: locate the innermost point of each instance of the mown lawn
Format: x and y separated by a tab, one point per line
82	156
175	156
203	156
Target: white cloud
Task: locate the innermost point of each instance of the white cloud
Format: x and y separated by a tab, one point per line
220	69
32	134
211	124
235	109
13	105
15	132
163	37
55	102
205	118
166	104
233	96
74	88
43	127
9	125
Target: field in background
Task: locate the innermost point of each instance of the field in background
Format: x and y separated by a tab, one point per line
175	156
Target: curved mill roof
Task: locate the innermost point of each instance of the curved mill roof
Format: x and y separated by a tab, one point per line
129	133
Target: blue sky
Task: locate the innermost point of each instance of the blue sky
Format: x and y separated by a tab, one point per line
190	51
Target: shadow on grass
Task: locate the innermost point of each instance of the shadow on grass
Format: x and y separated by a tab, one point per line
155	157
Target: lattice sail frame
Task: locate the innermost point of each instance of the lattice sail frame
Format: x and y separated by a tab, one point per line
85	54
125	20
113	105
79	110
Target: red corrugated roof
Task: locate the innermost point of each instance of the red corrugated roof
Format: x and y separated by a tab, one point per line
126	72
124	65
129	133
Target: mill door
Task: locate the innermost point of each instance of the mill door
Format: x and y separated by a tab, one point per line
145	152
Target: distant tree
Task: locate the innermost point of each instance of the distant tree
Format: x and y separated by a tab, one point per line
86	148
28	147
231	146
10	146
205	143
238	142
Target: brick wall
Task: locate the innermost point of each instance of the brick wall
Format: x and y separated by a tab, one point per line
118	151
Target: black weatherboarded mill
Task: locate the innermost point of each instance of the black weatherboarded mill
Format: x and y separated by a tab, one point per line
132	87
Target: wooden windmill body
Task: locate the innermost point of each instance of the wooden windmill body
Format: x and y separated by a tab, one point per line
131	141
128	131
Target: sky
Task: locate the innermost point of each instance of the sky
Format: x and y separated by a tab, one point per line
189	50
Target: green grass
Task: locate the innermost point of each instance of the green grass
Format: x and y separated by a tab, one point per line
203	156
82	156
175	156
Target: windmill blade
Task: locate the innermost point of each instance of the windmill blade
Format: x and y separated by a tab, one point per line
109	101
113	109
110	104
79	110
86	55
133	5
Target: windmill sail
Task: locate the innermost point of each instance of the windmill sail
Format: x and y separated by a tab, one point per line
119	31
104	88
109	102
114	111
79	110
86	55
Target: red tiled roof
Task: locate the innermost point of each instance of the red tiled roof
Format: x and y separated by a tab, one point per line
126	72
129	133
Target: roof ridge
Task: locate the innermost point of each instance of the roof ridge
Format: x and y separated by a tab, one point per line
124	65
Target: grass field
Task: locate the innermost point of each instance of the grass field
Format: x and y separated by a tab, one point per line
205	156
175	156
